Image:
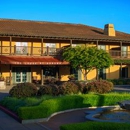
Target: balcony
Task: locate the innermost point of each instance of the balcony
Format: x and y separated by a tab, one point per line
119	54
24	50
49	51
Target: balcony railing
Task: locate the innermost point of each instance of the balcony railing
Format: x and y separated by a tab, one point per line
119	54
49	51
24	50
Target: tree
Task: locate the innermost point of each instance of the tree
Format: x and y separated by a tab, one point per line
87	58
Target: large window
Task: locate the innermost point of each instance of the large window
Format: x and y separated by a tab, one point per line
21	48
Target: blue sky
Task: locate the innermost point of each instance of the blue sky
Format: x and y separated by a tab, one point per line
95	13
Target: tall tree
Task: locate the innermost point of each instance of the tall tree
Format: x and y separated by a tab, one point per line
87	58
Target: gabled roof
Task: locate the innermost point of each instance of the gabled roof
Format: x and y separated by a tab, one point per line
54	30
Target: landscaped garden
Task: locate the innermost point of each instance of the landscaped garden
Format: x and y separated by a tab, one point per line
29	101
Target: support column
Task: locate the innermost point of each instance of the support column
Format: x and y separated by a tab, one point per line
1	47
71	42
41	46
120	70
10	74
97	43
10	45
42	80
121	49
31	53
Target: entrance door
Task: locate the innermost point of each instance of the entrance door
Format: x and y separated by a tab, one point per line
21	75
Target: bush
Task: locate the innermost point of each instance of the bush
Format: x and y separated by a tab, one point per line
96	126
45	90
48	107
68	88
98	86
23	90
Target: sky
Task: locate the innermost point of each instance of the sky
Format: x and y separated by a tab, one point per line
95	13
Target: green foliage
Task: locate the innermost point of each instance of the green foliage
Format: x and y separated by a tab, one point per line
13	103
96	126
45	90
87	58
98	86
45	106
68	88
48	107
23	90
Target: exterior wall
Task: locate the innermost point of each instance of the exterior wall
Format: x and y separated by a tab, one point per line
36	71
64	71
92	75
5	70
114	72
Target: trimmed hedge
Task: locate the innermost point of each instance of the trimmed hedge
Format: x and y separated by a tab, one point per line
96	126
48	107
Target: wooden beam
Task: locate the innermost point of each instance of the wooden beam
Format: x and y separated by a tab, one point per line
121	48
71	42
10	45
31	53
41	46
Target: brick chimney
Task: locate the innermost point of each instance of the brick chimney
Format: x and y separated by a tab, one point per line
109	30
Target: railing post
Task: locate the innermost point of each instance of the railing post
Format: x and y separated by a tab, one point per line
14	49
47	50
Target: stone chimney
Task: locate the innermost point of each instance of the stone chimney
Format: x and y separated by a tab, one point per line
109	30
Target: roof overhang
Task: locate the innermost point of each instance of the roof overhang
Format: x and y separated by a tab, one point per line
31	60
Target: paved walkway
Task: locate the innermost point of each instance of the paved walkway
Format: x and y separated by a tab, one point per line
8	123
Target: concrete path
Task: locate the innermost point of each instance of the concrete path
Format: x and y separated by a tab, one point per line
8	123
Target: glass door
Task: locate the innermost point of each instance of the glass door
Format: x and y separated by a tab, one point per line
21	74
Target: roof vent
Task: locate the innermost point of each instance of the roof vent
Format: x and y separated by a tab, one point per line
109	30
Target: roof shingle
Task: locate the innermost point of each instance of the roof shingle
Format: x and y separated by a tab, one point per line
52	29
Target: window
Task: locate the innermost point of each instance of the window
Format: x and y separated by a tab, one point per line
103	47
124	72
52	48
102	73
124	51
21	47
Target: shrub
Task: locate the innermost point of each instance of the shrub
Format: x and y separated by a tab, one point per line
98	86
23	90
68	88
48	107
45	90
96	126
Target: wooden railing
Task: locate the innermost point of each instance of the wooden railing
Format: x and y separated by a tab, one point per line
48	51
23	50
119	54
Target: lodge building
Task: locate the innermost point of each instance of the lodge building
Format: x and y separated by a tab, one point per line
30	50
